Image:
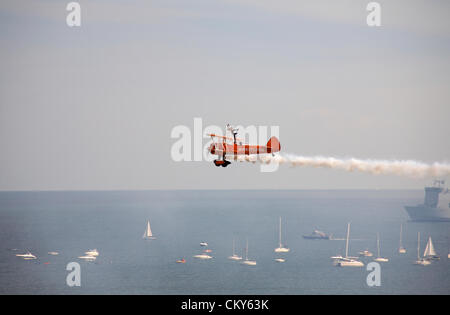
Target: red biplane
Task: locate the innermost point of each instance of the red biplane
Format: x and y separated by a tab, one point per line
222	149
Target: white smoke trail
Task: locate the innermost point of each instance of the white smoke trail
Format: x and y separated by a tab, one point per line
408	168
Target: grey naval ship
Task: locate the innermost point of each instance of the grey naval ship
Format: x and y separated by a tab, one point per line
436	206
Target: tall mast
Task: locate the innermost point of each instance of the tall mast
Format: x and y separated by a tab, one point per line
401	228
378	244
279	237
246	250
418	245
346	242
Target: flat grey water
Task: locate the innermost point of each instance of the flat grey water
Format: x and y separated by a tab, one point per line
114	222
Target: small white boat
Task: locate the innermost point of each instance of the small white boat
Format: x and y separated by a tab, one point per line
92	252
26	256
347	261
379	258
365	253
280	248
246	261
350	263
148	233
203	244
234	256
420	261
280	259
88	257
53	253
202	256
401	249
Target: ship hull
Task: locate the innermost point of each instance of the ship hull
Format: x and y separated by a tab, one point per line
425	213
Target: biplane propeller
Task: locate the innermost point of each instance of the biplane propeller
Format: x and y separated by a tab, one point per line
237	147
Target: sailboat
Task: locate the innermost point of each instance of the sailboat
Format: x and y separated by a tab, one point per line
280	248
148	232
420	261
379	258
347	261
246	261
234	256
430	253
401	249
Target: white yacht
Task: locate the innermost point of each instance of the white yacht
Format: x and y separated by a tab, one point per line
401	249
246	261
347	261
365	253
53	253
26	256
280	260
203	244
420	261
234	256
202	256
92	253
379	258
88	257
281	248
148	235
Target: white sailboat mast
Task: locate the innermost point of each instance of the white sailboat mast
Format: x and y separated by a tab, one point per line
246	250
279	237
346	242
418	245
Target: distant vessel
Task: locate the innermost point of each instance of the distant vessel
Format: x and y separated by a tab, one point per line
202	256
148	232
401	249
317	235
234	256
203	244
280	259
365	253
181	261
432	209
430	253
347	261
379	258
27	256
280	248
88	257
92	252
246	261
53	253
420	261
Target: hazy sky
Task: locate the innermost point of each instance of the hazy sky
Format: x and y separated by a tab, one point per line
93	107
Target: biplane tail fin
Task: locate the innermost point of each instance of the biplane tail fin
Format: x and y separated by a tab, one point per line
274	144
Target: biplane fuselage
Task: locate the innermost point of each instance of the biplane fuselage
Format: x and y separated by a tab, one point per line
223	149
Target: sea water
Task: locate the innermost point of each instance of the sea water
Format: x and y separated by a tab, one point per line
114	223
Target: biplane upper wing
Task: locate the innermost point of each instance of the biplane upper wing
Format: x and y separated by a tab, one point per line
223	137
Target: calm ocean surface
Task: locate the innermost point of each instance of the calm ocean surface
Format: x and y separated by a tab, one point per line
114	222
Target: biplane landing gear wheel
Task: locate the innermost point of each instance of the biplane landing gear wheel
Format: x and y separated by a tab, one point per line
225	163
